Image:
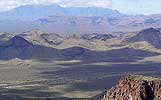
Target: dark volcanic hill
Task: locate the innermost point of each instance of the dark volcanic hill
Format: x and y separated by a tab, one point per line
18	47
16	41
135	88
150	35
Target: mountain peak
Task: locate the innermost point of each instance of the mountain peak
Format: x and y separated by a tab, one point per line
150	31
18	41
134	87
150	35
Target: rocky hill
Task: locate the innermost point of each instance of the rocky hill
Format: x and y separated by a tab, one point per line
149	35
135	88
91	41
19	47
147	39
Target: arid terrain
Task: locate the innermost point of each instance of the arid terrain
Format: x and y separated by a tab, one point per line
65	79
41	66
80	50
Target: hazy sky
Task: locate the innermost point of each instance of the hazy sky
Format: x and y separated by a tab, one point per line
124	6
138	6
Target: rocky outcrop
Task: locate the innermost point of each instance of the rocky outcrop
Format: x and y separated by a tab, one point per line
135	88
96	36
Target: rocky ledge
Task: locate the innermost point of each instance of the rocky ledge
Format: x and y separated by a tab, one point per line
135	88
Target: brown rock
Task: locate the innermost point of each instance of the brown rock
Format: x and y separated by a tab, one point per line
135	88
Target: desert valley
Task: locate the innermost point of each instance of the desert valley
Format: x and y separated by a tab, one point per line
49	52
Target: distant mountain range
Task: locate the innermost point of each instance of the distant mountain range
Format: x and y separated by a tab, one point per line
92	41
18	47
99	47
34	12
56	19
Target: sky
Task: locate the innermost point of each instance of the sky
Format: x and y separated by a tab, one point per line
123	6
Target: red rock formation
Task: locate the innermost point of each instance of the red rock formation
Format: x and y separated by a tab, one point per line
135	88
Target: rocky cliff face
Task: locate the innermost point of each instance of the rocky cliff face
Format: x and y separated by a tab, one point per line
135	88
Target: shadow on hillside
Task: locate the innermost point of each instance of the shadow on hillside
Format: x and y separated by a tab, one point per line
18	47
118	55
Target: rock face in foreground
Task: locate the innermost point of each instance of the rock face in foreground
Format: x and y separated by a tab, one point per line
135	88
